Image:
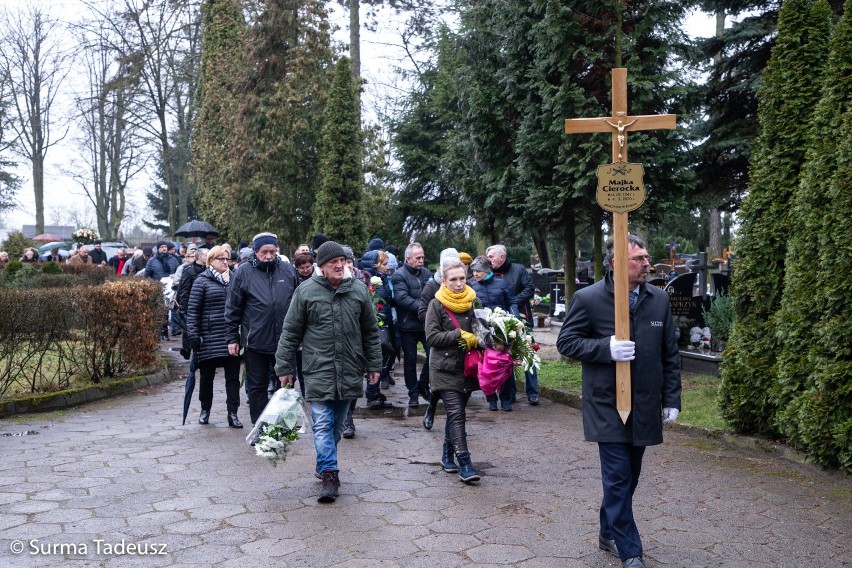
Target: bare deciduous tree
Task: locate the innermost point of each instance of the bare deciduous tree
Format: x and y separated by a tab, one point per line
35	64
111	145
158	40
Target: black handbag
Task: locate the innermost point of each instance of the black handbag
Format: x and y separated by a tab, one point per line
386	338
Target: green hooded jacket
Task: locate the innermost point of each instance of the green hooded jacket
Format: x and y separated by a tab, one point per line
339	336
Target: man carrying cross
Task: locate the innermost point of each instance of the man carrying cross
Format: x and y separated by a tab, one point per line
588	335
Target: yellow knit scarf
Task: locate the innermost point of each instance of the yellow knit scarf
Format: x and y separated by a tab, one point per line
458	303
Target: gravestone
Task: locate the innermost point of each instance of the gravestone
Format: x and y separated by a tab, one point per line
683	303
557	296
658	282
721	283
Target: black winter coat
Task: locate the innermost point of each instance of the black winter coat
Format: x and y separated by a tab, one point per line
187	279
407	286
494	293
520	285
258	300
426	296
206	316
655	372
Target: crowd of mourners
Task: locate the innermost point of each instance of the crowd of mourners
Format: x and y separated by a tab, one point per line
331	320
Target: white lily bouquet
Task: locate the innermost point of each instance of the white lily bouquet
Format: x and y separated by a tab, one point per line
282	420
500	330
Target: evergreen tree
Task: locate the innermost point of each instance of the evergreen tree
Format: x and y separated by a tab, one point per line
789	92
339	209
813	367
215	148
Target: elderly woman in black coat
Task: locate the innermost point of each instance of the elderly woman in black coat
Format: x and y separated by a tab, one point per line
449	332
208	335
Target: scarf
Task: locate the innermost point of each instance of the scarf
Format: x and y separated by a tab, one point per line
222	277
458	303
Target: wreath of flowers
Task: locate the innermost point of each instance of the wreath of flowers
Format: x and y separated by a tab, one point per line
84	236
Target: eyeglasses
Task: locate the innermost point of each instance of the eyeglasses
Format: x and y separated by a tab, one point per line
640	258
223	258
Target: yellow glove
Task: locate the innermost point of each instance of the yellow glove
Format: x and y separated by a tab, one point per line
469	339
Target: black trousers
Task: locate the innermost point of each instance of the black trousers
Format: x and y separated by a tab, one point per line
260	369
231	366
621	465
409	341
454	431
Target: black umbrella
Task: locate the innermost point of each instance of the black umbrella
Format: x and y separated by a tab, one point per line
196	228
188	389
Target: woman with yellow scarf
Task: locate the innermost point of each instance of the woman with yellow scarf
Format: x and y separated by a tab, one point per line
449	332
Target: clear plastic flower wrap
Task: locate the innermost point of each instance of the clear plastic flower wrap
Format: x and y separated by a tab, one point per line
282	420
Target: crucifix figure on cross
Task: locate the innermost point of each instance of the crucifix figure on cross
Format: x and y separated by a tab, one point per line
619	124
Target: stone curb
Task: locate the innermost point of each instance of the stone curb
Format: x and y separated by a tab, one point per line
747	442
75	397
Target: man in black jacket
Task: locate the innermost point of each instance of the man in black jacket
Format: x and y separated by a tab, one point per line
99	257
588	335
522	288
258	299
408	283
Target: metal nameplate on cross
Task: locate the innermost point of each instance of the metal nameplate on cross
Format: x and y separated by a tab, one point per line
619	124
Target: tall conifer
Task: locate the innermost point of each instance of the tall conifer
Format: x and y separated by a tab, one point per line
339	206
790	90
814	368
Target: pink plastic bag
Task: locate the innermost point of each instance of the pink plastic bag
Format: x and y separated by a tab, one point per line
494	370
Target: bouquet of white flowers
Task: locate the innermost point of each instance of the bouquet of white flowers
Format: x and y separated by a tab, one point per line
282	420
502	331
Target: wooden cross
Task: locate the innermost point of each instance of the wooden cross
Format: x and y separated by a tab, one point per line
619	124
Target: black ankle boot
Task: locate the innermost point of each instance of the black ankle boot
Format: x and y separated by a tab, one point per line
429	417
204	417
466	471
233	421
447	459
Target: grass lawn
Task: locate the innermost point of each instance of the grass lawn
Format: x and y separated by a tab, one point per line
698	399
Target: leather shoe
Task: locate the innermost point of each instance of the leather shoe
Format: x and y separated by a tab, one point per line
233	421
429	417
607	544
204	417
635	562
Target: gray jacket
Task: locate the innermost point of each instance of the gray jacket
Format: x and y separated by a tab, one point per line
655	372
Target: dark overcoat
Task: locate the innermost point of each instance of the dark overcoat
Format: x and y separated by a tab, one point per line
655	372
205	318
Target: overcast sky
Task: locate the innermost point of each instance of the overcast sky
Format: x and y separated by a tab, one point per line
380	54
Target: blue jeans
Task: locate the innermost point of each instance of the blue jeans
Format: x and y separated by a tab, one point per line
328	417
621	465
531	379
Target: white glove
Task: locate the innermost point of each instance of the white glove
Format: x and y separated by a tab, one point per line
621	350
670	415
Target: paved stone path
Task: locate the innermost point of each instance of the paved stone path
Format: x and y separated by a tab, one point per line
85	481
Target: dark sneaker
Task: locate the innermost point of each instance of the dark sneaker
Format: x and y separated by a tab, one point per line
330	487
507	406
349	432
533	399
492	405
413	402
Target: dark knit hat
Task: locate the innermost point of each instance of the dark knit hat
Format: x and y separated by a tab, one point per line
347	251
376	244
329	250
263	239
162	244
317	241
147	251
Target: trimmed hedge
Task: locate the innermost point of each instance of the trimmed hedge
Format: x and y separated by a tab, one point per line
49	336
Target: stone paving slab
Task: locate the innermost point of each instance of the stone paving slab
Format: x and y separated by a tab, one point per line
124	472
